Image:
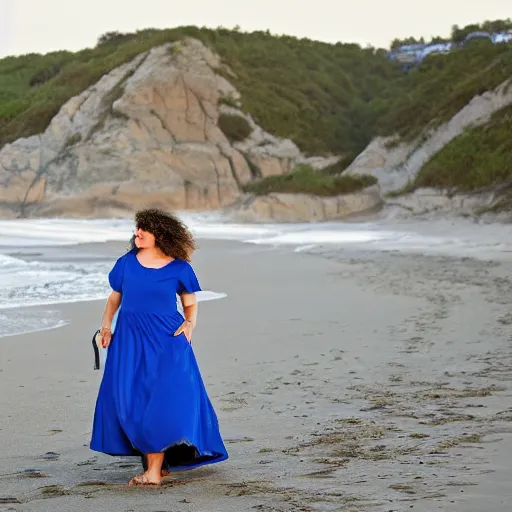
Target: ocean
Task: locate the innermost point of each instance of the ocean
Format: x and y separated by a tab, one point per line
42	264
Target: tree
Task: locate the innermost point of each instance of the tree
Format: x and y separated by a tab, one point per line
439	40
497	25
397	43
457	34
460	34
113	37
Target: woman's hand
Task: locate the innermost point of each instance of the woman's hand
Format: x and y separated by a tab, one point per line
186	329
106	336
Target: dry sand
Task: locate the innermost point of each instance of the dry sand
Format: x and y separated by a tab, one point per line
342	382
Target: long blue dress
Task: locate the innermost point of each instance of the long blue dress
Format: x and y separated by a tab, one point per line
152	398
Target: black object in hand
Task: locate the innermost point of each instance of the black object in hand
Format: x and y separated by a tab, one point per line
95	340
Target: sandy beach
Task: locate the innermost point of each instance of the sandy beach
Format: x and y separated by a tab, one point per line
343	381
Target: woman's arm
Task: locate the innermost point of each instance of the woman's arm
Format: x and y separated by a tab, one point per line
189	303
113	303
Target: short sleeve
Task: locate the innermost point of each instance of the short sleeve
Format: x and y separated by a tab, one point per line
187	281
115	276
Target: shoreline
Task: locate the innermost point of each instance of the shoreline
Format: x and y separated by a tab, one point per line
102	252
341	379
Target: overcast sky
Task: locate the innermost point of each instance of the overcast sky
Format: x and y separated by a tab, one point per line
45	25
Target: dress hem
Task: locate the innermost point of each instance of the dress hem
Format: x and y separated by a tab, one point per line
221	458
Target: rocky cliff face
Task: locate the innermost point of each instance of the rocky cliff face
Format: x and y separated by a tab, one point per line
145	134
306	208
396	164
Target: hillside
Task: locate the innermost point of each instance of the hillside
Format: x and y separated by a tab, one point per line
442	124
434	92
305	90
327	98
478	158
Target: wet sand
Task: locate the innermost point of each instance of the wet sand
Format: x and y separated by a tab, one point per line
342	381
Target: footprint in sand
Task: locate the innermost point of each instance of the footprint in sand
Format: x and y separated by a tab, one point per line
49	456
8	500
52	491
270	390
337	354
235	440
233	403
88	462
31	473
54	431
125	465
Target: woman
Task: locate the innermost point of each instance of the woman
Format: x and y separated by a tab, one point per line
152	401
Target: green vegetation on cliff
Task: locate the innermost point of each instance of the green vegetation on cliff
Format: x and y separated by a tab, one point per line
315	93
305	180
478	158
439	88
235	128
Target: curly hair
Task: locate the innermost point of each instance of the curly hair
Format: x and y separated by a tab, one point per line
172	237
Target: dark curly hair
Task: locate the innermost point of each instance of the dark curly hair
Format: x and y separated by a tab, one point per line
172	237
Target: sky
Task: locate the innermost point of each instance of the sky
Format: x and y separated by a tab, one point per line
41	26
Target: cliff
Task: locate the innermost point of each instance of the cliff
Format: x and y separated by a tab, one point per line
460	167
147	133
266	127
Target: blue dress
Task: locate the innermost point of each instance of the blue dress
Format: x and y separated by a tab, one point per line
152	398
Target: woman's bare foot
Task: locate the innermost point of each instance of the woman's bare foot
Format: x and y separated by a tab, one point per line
143	479
165	473
153	474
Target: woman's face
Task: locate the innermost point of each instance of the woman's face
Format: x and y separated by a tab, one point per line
144	239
